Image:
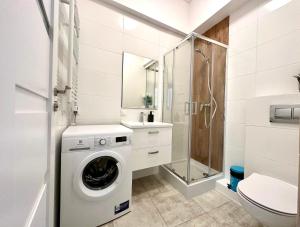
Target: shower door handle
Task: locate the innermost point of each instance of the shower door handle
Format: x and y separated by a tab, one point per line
187	106
194	108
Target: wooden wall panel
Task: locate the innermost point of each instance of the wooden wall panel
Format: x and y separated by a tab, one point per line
219	32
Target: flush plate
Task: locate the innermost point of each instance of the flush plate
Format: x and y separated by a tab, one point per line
285	113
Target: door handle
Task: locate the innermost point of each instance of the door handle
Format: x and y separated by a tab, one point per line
194	108
153	152
153	132
187	108
79	148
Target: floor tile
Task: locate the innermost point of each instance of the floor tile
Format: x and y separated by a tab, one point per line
139	192
201	221
232	214
155	185
143	214
155	203
211	200
175	208
110	224
248	221
225	214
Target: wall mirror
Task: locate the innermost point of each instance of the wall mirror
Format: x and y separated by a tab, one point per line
139	90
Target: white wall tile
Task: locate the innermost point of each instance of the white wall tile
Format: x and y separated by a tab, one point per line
273	24
168	40
99	36
236	111
242	64
244	17
95	11
270	168
140	47
272	151
277	81
279	52
99	110
243	39
241	88
99	83
235	135
100	60
277	144
140	30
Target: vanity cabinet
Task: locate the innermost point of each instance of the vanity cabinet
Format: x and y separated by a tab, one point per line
151	146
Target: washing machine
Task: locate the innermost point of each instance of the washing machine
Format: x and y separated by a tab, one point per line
96	177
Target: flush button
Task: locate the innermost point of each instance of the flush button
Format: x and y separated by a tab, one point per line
296	114
289	114
283	113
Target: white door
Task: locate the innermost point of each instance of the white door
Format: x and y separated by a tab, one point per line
24	113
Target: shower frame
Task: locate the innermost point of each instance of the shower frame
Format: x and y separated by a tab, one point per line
194	36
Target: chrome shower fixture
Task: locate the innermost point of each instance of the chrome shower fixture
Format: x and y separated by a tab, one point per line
213	100
203	55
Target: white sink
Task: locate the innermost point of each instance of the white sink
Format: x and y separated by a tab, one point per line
136	124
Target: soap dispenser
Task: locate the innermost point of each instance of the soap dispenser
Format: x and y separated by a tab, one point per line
151	117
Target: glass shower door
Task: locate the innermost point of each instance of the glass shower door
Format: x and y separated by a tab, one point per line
207	118
179	89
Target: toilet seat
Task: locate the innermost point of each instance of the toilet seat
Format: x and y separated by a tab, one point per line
263	207
270	194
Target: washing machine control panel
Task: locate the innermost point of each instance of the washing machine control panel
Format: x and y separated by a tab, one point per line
112	141
102	141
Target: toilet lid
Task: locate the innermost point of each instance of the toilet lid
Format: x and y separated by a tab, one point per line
271	193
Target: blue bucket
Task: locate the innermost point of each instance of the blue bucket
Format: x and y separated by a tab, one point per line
236	175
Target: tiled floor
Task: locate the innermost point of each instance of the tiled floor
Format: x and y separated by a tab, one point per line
156	203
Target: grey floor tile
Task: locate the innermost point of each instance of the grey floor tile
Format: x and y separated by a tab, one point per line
211	200
155	203
110	224
139	192
175	208
143	214
248	221
225	214
154	185
203	220
231	214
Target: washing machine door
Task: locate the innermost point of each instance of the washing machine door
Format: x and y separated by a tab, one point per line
99	175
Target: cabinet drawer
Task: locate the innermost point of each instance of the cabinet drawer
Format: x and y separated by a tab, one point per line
143	138
150	157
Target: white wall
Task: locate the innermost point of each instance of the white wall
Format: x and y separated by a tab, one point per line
105	34
264	54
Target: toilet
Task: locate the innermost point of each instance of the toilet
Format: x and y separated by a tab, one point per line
271	201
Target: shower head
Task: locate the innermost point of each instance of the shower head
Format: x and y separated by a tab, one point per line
203	55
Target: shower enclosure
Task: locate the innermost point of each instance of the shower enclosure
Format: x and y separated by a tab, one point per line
194	92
